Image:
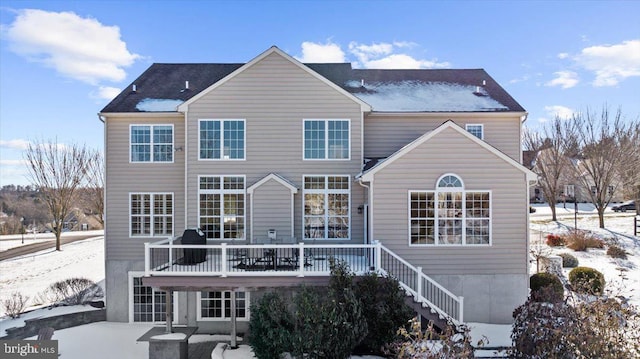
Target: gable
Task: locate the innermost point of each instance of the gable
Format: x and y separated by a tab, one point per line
274	178
449	132
281	64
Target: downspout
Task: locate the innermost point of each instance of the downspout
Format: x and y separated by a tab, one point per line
365	211
186	168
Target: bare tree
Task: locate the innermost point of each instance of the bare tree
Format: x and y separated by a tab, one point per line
95	184
630	168
57	171
552	146
604	149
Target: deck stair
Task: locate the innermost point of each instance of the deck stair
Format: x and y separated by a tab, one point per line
428	297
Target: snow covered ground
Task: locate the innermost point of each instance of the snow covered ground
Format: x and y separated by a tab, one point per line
33	273
622	275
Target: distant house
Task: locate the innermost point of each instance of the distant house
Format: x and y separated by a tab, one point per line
283	165
570	189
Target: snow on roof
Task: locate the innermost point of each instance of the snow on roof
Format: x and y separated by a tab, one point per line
158	105
417	96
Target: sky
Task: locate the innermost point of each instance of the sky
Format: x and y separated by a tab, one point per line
61	62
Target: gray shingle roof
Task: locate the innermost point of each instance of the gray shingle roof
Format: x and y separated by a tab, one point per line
441	90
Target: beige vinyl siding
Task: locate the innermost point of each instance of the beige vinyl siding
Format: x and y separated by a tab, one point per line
272	210
385	134
479	170
123	178
273	97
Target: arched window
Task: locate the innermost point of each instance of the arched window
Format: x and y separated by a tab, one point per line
449	215
450	180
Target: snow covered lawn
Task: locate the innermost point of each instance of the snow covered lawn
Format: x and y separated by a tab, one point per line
622	275
31	274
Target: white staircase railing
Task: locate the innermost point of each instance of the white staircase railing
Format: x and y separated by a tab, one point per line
166	258
423	289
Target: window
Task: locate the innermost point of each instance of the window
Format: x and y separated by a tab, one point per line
151	214
569	190
222	139
449	215
151	143
217	306
149	305
326	139
476	130
222	205
326	207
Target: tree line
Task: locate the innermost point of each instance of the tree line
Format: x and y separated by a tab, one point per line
595	152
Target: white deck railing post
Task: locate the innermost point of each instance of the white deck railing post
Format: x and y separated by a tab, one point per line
461	313
301	259
171	254
419	283
147	259
378	255
223	258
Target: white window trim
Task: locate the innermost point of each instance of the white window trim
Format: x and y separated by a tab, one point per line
200	318
221	120
221	191
326	192
326	139
437	191
173	142
152	214
133	274
466	127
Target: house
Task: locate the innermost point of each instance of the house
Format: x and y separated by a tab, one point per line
570	188
283	165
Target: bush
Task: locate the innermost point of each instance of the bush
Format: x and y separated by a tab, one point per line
384	310
554	240
568	261
318	323
546	287
604	328
616	252
270	326
580	241
15	304
432	343
72	291
587	280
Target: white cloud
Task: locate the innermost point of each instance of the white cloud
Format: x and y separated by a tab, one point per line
13	162
321	53
382	56
563	55
17	144
564	79
611	63
106	93
402	61
520	79
76	47
559	111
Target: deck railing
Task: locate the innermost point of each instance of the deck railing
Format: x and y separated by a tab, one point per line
171	258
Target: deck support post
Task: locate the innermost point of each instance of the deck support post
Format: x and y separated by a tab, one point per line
234	344
169	318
